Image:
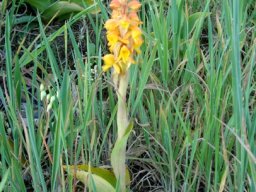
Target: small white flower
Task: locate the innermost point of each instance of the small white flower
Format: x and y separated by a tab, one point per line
48	97
52	99
9	131
42	87
49	107
42	95
58	94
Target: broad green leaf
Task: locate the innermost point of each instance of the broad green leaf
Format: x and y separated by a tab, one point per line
108	175
103	179
83	2
61	8
29	55
101	176
118	156
40	5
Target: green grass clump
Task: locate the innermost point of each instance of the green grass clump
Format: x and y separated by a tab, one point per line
192	98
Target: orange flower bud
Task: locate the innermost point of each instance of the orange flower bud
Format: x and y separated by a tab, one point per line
134	5
115	4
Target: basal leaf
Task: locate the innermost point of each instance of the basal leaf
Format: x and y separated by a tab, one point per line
61	8
40	5
103	173
102	179
118	156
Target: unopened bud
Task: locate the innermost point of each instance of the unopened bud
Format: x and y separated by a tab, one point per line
58	94
9	131
42	95
49	107
48	97
52	99
41	87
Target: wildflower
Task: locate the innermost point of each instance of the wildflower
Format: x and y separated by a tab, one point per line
49	107
109	61
42	95
58	94
124	41
52	99
123	34
41	87
134	5
48	96
124	54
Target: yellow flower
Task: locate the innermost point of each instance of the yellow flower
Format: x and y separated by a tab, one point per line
124	23
136	32
134	5
112	39
124	26
137	42
109	61
124	40
115	4
115	14
134	17
111	24
124	54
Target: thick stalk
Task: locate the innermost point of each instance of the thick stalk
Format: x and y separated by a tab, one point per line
122	114
122	124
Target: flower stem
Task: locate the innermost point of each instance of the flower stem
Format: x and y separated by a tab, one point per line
122	125
122	114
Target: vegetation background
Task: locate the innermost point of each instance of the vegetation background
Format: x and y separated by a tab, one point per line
192	96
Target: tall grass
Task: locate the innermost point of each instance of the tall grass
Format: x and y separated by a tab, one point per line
192	98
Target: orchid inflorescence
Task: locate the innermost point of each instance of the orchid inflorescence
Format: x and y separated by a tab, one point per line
123	35
124	40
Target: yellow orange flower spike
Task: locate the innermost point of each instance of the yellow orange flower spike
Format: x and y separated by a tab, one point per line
123	34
